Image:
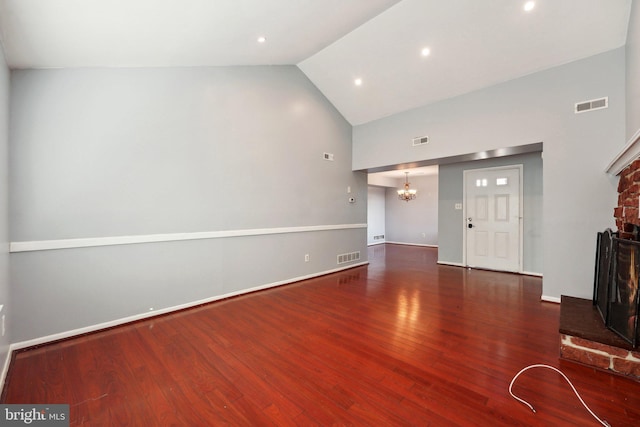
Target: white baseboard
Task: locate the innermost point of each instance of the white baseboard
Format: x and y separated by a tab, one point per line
547	298
411	244
100	326
5	368
376	243
459	264
530	273
454	264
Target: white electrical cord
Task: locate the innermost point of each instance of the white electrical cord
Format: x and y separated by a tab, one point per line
604	423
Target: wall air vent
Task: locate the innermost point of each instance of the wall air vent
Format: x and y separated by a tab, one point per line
420	140
594	104
352	256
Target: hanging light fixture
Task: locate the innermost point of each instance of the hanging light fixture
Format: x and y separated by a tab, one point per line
407	193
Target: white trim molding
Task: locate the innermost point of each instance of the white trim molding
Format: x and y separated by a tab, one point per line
626	156
5	367
531	273
453	264
44	245
547	298
411	244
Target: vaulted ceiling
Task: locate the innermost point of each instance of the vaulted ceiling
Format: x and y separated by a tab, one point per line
472	43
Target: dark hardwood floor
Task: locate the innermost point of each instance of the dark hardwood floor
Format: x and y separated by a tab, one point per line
401	341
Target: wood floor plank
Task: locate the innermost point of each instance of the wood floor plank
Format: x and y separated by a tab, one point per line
401	341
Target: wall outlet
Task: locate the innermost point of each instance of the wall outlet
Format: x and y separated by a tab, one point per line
306	257
458	206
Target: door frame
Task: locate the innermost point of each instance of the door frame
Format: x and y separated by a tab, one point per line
520	169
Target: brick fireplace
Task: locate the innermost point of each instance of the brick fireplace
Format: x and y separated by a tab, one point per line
584	337
626	213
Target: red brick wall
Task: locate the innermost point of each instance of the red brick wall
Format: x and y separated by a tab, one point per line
626	213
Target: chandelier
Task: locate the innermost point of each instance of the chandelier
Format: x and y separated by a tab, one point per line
406	194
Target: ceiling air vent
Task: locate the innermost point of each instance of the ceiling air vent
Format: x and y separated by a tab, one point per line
420	140
594	104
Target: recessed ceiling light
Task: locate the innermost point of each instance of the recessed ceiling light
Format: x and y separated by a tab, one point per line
425	51
262	39
358	82
528	6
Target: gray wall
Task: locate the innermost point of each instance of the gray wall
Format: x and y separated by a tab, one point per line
4	206
414	222
452	222
376	211
633	71
129	152
578	196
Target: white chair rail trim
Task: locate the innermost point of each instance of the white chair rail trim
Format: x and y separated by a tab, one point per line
43	245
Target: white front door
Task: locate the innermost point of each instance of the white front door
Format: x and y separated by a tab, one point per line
493	218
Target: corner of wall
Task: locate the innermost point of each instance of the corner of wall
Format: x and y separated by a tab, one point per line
632	68
4	217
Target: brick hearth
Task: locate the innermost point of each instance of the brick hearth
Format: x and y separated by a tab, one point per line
585	339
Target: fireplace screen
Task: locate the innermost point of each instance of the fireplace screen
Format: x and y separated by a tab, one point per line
622	315
603	270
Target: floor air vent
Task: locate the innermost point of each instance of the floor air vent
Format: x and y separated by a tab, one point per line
344	258
594	104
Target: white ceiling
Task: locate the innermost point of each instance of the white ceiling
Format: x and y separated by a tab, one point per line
474	44
166	33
